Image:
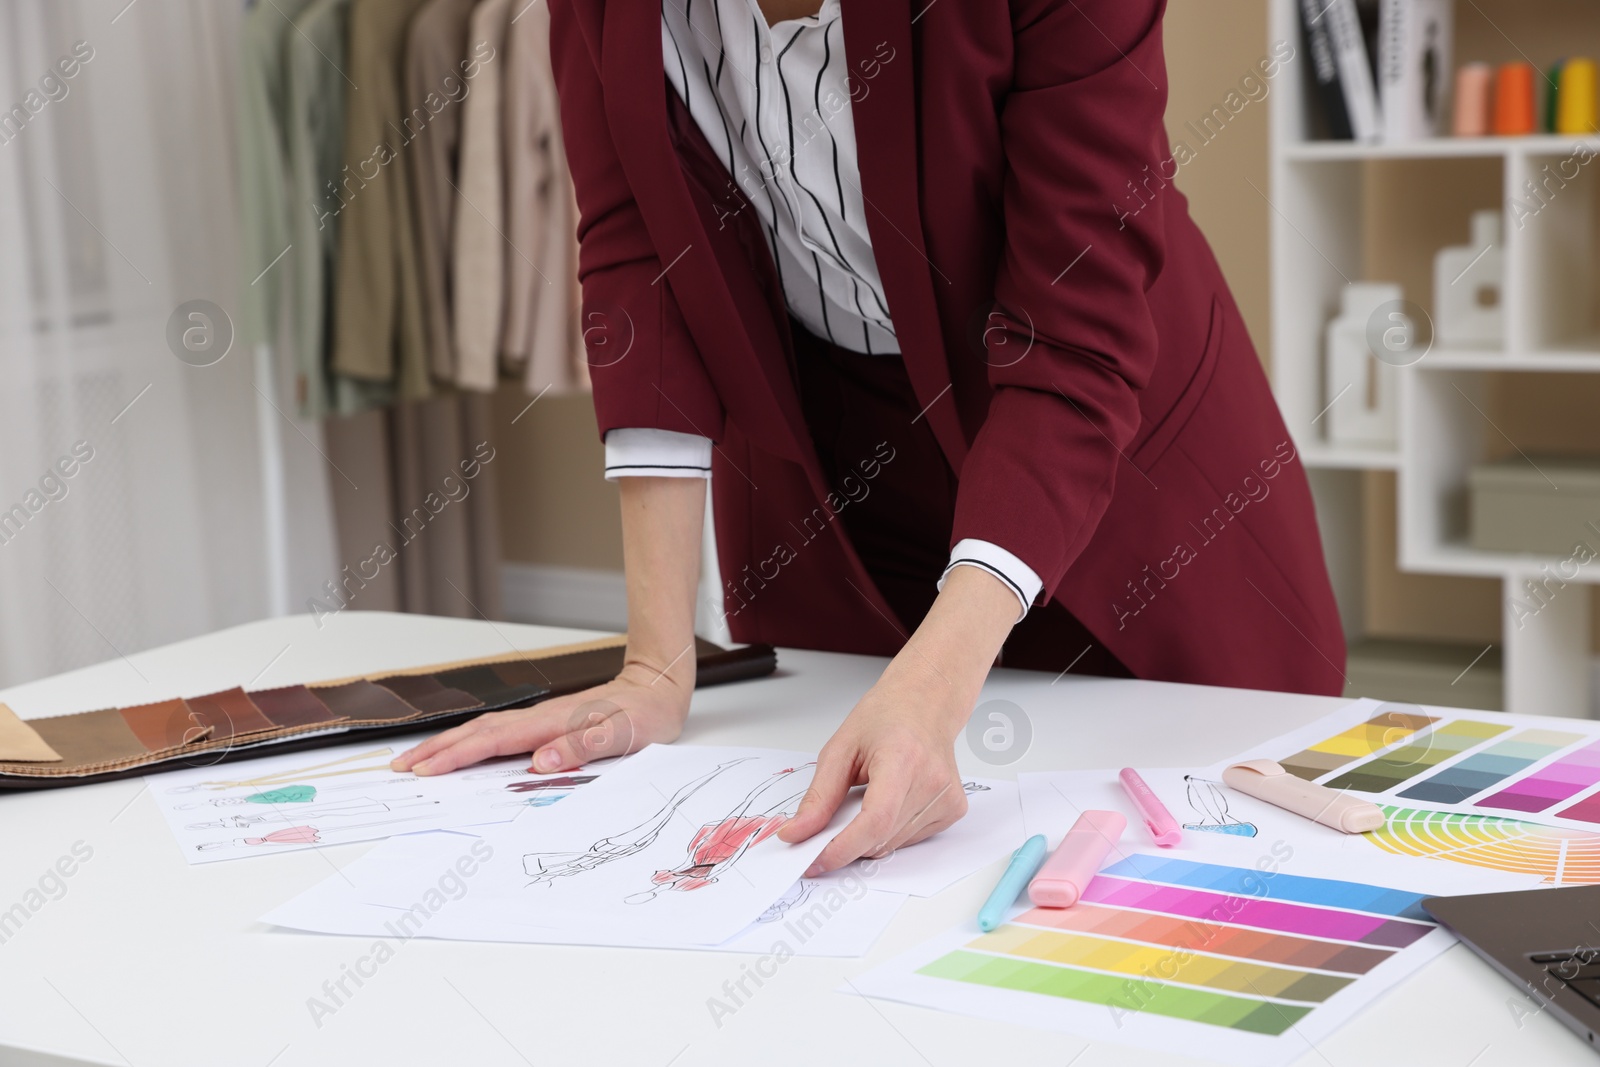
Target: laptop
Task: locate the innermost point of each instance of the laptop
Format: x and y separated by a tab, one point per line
1546	941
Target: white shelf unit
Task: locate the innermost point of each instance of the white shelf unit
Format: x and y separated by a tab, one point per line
1319	236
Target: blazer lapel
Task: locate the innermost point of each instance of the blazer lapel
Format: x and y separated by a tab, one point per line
636	110
877	37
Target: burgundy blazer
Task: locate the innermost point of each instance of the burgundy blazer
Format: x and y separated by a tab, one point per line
1082	363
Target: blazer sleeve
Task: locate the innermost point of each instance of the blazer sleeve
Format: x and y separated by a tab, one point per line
639	349
1083	119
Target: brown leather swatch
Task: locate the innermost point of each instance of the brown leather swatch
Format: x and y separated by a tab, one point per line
90	737
363	702
426	693
485	684
165	724
228	713
291	705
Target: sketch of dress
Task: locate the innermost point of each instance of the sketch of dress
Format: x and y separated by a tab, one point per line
546	867
1210	803
792	898
970	788
299	835
718	845
340	810
565	781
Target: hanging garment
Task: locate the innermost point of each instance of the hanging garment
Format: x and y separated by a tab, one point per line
378	327
541	338
315	56
439	74
264	221
479	246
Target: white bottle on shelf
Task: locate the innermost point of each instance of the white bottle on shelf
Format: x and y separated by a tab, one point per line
1468	309
1360	389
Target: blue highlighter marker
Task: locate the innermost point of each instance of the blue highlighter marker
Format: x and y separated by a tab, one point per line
1025	863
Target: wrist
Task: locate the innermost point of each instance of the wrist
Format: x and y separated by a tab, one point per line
951	652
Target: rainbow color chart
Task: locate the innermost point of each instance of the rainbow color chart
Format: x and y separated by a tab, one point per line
1164	949
1518	766
1558	856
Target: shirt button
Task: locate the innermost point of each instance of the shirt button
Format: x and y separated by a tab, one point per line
766	54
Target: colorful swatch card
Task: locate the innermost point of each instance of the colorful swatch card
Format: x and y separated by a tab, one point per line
1207	811
1243	956
1524	767
332	796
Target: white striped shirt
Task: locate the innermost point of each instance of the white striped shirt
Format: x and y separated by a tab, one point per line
774	103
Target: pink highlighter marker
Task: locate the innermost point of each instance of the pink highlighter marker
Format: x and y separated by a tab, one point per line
1065	875
1157	819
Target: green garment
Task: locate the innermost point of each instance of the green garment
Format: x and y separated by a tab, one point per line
263	213
288	794
316	57
379	334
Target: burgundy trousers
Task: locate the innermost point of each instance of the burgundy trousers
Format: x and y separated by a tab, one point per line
899	498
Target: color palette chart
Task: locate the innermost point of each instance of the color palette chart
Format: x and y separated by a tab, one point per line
1172	952
1556	855
1537	769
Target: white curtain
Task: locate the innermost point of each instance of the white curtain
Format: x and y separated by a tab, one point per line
200	503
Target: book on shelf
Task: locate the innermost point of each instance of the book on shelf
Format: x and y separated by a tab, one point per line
1414	74
1347	87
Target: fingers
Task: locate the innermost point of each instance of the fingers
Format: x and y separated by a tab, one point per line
550	711
409	759
604	729
834	776
945	809
874	826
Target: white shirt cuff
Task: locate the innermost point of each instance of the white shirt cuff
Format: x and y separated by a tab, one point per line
644	453
988	556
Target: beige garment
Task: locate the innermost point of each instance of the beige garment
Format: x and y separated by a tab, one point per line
478	251
378	329
439	77
541	335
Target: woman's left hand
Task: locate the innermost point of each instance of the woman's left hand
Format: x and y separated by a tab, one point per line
900	740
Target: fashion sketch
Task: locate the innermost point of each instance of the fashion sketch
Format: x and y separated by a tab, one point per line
1210	803
792	898
717	846
339	810
546	867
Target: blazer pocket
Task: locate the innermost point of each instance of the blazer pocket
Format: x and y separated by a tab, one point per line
1148	454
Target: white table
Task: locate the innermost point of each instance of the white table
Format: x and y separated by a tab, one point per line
147	961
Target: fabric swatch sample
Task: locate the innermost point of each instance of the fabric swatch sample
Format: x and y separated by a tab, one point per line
165	724
93	737
21	743
426	693
291	705
228	713
364	702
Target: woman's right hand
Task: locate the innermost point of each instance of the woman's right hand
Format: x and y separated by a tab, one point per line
641	706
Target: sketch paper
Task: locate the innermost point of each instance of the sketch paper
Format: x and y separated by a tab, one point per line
300	800
1248	954
811	918
991	829
676	844
1525	767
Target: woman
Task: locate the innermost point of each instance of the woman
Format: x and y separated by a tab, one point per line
921	277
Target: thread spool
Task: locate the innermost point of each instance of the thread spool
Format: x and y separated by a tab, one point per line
1575	108
1474	90
1552	85
1514	108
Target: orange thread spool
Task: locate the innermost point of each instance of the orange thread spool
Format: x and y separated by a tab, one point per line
1514	109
